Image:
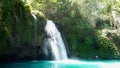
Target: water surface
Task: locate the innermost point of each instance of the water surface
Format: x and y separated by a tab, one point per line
62	64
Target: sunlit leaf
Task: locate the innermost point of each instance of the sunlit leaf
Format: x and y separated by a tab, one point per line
54	1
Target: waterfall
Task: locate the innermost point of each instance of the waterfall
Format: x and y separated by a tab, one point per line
35	28
54	42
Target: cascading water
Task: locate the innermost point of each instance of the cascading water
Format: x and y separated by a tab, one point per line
54	42
35	28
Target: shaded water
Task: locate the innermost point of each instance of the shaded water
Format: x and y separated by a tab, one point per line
62	64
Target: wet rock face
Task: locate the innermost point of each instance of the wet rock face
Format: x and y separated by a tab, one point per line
21	36
98	23
27	52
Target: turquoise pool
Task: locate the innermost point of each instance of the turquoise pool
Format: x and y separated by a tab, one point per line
62	64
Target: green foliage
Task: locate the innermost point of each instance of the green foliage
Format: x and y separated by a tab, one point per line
85	49
5	27
107	50
16	26
75	17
